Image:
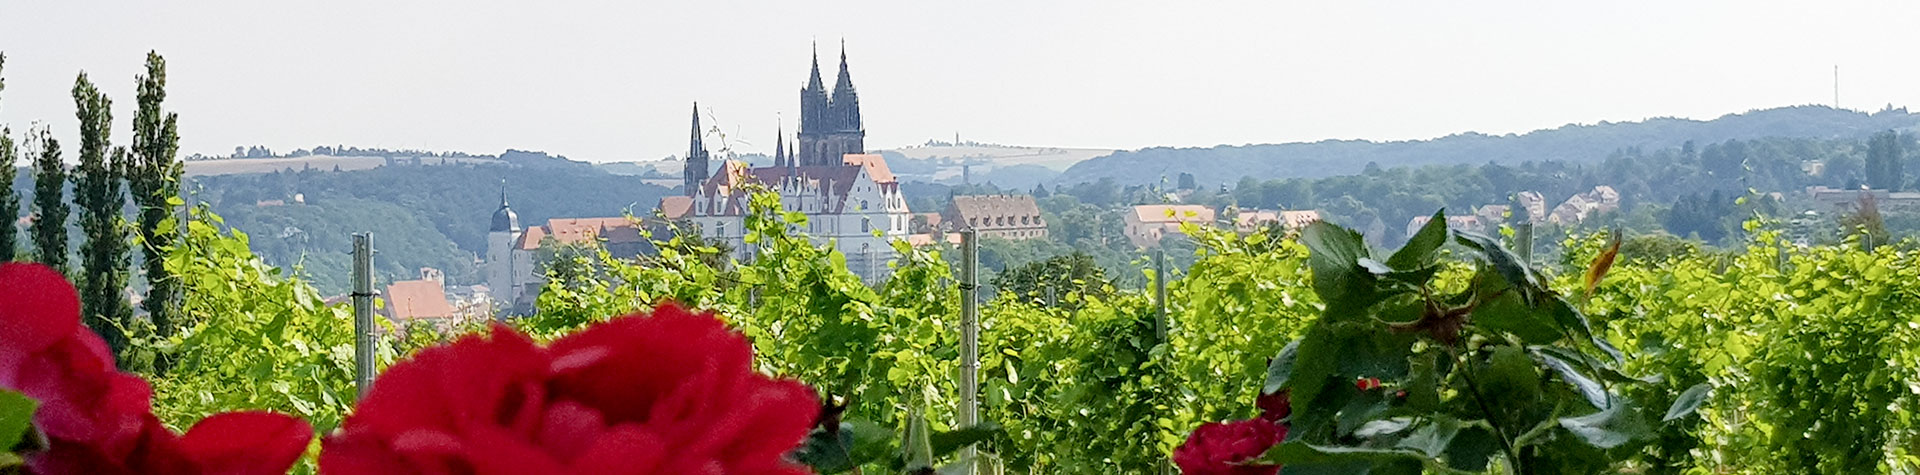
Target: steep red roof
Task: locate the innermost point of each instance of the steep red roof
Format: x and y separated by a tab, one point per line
412	299
676	207
580	230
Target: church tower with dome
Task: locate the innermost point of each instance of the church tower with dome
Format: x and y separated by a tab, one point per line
501	237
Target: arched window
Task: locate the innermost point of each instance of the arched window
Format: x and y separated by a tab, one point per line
863	205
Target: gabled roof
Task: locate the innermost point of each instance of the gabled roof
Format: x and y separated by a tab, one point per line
982	207
1172	213
580	230
414	299
676	207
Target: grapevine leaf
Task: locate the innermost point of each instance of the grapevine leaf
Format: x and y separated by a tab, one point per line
1279	371
1612	427
16	417
1587	387
1420	249
1689	401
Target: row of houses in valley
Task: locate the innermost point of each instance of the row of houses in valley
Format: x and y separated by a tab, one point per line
1532	207
1147	225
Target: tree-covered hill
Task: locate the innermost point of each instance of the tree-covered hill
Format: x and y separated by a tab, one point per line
1571	143
421	216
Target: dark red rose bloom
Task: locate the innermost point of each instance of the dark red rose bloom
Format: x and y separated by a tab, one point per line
99	420
672	392
1275	407
1223	448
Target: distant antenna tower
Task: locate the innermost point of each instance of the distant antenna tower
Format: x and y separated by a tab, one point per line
1836	86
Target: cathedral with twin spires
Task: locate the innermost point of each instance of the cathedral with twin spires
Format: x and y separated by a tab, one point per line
851	200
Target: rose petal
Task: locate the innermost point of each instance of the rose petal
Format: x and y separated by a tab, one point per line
246	442
37	307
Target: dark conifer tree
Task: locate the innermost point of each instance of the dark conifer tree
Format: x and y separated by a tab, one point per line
9	202
153	177
96	189
49	200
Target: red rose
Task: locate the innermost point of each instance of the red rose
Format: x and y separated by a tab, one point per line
672	392
1221	448
1274	407
99	420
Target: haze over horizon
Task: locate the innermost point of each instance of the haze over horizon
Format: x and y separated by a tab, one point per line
606	82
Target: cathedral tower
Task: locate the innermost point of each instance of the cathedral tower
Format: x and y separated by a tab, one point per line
695	172
830	127
501	236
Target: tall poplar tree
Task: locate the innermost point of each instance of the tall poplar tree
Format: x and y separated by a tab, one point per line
9	202
1885	169
154	179
96	190
49	200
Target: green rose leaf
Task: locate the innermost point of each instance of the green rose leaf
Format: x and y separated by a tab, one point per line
1689	401
1423	246
16	418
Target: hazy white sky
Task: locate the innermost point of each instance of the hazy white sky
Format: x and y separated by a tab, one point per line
612	80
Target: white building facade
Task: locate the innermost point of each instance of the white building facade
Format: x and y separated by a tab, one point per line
852	201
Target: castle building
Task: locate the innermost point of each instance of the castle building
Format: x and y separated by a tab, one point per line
1002	216
851	200
514	277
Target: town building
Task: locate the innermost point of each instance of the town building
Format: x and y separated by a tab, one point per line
514	277
1534	203
424	301
1001	216
1146	225
1250	220
1470	223
1577	208
851	200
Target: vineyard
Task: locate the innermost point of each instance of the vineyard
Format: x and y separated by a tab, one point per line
1447	355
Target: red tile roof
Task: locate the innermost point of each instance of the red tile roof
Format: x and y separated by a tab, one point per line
413	299
580	230
676	207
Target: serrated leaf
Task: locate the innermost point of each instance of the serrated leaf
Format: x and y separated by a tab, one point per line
1689	401
944	443
916	449
1586	386
1382	427
16	417
1281	369
1297	452
1504	263
1421	248
1611	427
1334	254
1432	438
